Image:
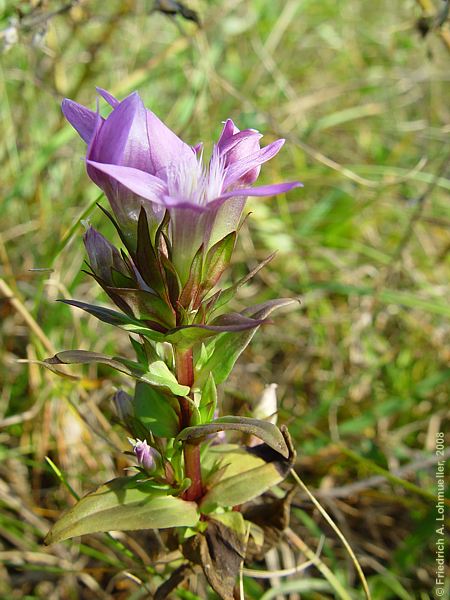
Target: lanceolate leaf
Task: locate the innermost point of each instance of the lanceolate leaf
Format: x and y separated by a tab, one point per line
84	357
124	504
269	433
118	319
229	346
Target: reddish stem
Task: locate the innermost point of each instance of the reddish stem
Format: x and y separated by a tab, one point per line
185	374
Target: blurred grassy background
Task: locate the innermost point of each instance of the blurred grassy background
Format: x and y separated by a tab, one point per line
362	367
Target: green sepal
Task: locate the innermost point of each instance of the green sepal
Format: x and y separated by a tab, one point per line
191	288
217	260
124	504
155	411
268	432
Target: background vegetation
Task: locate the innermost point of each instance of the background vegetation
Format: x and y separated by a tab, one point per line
361	366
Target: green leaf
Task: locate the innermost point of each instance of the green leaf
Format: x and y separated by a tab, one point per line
155	411
242	487
208	400
233	520
159	374
229	346
269	433
124	504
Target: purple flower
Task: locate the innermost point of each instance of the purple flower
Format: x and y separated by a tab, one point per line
138	161
147	456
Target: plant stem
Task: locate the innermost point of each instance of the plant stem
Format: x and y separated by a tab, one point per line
185	374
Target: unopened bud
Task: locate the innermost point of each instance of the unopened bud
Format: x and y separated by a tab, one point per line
123	405
147	456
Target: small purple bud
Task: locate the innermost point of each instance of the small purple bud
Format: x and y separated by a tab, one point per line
147	456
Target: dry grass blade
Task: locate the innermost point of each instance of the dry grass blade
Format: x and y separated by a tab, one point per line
338	532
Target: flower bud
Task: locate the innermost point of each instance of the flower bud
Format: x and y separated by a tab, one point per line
123	405
147	457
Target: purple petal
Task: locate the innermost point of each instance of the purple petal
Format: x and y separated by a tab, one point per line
165	146
248	135
244	165
123	136
228	130
141	183
262	190
81	118
113	102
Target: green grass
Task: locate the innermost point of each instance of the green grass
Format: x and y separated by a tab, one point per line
362	365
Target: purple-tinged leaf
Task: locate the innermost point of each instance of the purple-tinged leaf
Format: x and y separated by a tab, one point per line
113	317
269	433
229	346
84	357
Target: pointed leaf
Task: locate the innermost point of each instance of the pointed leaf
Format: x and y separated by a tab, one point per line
124	504
84	357
112	317
229	346
264	430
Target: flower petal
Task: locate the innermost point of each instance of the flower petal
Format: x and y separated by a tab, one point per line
262	190
165	146
81	118
122	138
245	164
237	139
113	102
139	182
229	129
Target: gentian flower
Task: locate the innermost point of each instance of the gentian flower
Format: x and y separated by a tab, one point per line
138	161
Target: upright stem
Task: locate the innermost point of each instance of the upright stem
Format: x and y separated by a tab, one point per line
185	374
